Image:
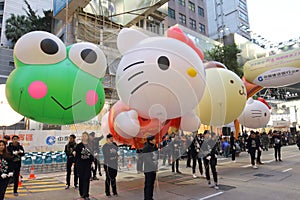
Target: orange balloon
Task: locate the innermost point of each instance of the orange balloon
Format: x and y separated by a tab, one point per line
148	127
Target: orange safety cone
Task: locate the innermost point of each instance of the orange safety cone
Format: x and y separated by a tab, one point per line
20	180
32	176
129	164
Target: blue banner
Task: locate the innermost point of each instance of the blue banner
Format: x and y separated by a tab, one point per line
58	5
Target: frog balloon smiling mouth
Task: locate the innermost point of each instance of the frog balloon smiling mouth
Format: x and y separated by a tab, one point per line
55	84
65	108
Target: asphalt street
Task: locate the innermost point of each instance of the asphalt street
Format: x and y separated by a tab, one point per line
271	181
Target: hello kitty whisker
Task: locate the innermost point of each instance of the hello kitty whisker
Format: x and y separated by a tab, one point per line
136	63
135	89
141	72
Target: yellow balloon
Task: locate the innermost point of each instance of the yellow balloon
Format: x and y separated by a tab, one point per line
224	97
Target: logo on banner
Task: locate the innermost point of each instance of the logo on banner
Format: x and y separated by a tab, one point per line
50	140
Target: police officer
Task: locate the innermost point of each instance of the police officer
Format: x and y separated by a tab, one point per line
110	153
69	149
253	145
209	150
17	151
195	150
94	143
150	166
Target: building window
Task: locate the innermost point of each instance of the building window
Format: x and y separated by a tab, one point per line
182	18
192	6
171	13
243	16
181	2
1	5
193	23
200	11
201	28
242	4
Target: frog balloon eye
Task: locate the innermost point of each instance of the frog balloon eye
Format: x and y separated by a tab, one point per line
39	47
89	58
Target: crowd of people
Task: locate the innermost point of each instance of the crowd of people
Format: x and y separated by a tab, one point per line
198	148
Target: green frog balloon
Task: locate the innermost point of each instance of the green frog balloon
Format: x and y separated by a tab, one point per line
55	84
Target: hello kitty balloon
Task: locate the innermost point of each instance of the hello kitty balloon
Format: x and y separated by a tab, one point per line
255	114
160	80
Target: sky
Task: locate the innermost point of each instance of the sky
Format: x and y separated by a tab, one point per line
275	20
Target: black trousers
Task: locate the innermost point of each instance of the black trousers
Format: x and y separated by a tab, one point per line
84	173
195	159
16	178
277	151
252	156
212	163
188	161
233	154
258	159
149	185
97	166
3	186
110	180
177	165
69	171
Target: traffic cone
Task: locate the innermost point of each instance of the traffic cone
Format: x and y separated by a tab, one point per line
20	180
129	164
32	176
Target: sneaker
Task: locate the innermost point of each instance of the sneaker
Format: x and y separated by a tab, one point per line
261	163
216	187
254	167
16	194
67	187
202	176
179	172
234	161
76	187
194	176
86	198
108	196
280	160
210	185
95	178
116	195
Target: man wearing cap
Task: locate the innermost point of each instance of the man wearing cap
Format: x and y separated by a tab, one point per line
69	150
94	144
17	151
150	166
110	153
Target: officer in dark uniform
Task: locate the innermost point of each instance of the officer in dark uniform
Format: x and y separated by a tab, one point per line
69	150
17	151
150	166
253	145
110	153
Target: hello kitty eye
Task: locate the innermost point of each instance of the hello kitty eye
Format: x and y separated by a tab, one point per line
265	114
163	63
231	81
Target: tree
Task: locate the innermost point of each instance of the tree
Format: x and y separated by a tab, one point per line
18	25
227	55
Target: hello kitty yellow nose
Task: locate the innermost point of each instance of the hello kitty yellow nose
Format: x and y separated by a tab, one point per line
191	72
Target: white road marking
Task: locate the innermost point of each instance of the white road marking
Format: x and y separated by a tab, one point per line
287	170
245	166
210	196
